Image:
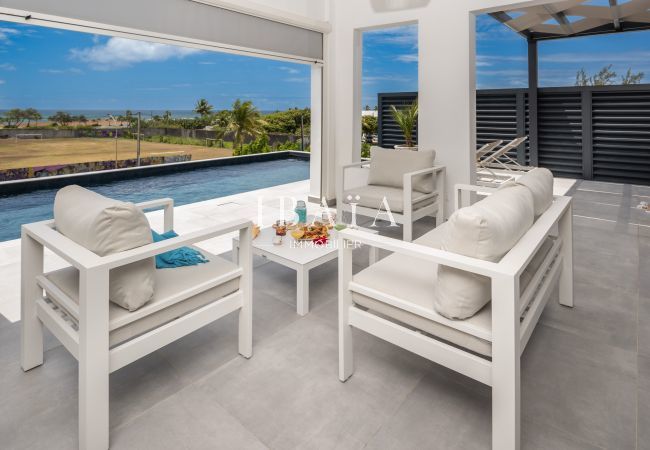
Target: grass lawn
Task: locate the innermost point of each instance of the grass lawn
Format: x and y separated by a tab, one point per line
34	153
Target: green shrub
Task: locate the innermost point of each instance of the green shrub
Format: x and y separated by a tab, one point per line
259	145
365	150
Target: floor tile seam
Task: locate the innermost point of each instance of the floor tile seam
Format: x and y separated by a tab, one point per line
397	408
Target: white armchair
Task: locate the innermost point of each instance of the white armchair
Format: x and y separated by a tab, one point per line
398	298
73	303
408	181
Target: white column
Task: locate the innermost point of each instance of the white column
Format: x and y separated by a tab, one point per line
316	136
357	97
447	91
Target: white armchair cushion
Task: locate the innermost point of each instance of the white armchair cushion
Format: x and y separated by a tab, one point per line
486	230
387	168
540	183
169	284
105	226
373	196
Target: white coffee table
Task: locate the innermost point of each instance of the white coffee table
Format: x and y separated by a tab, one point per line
299	256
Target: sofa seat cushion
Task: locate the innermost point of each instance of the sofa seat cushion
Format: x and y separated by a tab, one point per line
388	167
415	280
169	283
105	226
372	196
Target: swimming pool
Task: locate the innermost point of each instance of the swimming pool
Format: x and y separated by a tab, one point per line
184	187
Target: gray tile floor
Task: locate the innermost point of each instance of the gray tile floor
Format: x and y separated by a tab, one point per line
585	385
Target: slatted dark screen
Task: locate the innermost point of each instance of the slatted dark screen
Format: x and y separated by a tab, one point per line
502	115
600	133
560	132
389	133
621	136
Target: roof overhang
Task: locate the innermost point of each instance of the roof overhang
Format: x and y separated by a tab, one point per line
572	18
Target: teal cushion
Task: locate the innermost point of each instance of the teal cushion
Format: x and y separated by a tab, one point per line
180	257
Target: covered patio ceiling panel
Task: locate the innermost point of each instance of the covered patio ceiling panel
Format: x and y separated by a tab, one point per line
576	18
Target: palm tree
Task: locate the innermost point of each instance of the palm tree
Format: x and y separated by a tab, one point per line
203	108
32	114
406	120
245	121
167	117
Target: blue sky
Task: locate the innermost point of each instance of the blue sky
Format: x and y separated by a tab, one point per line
502	56
54	69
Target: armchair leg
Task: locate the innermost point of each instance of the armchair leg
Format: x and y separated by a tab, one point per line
408	230
506	344
346	356
94	360
31	326
566	274
245	261
440	217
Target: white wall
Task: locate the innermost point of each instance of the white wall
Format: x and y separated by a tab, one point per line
446	78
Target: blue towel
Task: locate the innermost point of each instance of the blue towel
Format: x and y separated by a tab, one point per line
180	257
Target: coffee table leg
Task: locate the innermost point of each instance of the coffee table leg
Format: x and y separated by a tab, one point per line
302	293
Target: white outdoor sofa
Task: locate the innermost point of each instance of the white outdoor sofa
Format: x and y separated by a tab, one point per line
407	180
396	300
73	303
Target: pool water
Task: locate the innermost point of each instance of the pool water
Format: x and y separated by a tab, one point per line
184	187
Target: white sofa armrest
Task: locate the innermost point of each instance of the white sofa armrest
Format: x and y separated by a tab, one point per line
341	186
147	251
73	253
459	189
438	172
167	204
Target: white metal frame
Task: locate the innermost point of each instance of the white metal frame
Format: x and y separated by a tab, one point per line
509	335
89	344
302	270
409	215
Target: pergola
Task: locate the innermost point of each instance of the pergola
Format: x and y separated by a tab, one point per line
566	19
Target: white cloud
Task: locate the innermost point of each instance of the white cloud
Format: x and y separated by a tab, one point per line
605	58
393	78
72	70
297	79
503	73
207	63
2	81
290	70
406	35
490	60
411	58
7	66
6	33
118	53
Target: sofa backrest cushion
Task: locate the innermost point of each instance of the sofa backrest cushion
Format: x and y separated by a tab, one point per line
486	230
387	168
105	226
540	183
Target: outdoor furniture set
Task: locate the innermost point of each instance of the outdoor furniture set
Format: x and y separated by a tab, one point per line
466	295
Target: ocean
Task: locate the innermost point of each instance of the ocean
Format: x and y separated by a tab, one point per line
104	113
